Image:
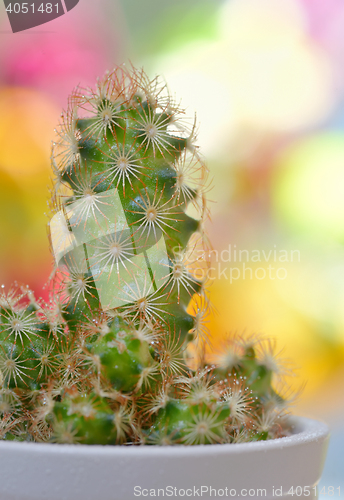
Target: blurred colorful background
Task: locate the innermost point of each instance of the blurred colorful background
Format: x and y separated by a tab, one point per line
266	78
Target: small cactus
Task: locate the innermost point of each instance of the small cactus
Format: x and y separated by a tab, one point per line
110	359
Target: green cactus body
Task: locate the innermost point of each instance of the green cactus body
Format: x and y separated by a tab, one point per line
182	422
117	356
85	419
122	356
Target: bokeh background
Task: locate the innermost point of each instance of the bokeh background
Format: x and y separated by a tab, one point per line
266	78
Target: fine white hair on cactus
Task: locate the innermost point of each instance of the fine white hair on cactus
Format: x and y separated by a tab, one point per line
70	366
122	164
239	399
105	113
47	361
152	130
66	148
228	353
180	274
162	437
148	376
206	427
13	369
145	331
10	403
124	422
170	352
7	423
200	312
200	388
155	214
77	284
273	360
190	176
112	251
19	324
269	421
159	399
86	201
65	433
143	302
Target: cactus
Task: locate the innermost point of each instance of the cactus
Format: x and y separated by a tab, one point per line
120	354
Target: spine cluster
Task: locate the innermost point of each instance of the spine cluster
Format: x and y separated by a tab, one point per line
121	353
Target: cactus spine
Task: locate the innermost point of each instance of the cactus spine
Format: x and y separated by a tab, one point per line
108	360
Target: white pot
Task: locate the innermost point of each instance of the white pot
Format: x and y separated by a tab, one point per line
31	471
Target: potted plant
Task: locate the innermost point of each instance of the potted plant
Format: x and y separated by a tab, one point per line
120	355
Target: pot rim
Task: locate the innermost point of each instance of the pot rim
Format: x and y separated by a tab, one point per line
306	430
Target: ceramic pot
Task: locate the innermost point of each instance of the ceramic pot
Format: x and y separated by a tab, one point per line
267	469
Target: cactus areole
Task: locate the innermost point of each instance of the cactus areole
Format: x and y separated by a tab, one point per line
121	352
